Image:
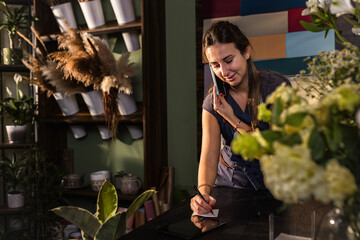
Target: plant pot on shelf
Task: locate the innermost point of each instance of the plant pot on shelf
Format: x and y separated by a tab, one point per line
131	40
93	101
12	56
126	106
124	13
93	13
63	12
16	133
15	199
69	106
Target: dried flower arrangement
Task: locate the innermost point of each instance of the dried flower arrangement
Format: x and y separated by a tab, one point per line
45	74
88	60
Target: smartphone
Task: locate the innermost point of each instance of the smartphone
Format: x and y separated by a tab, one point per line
185	229
218	83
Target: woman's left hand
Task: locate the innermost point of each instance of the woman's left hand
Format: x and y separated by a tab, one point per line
222	107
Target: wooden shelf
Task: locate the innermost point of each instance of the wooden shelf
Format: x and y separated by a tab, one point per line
88	192
110	27
4	210
13	68
15	145
87	119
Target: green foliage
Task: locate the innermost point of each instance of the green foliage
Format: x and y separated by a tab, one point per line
12	171
105	224
15	20
20	110
43	191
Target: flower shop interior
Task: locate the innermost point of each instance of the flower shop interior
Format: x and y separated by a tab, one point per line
109	93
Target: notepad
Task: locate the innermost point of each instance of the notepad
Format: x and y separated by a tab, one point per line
284	236
209	214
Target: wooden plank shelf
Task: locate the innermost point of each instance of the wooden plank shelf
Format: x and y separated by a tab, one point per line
88	192
110	27
13	68
4	210
86	119
15	145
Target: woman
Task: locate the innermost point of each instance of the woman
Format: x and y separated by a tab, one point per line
228	53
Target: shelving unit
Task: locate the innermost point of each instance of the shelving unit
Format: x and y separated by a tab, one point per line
5	212
152	111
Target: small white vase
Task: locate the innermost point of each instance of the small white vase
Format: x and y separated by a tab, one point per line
131	40
93	13
124	11
69	106
64	11
16	134
93	101
126	106
15	200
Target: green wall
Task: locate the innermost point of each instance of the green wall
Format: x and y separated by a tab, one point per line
93	154
181	90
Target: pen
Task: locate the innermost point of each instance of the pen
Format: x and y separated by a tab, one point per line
199	193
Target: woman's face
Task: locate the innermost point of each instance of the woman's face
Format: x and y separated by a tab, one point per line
228	63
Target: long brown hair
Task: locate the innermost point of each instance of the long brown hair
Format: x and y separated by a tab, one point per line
226	32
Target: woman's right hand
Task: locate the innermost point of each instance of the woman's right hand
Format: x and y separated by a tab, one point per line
199	206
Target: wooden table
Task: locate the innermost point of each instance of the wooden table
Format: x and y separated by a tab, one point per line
246	214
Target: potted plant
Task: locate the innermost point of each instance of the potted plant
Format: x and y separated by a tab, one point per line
12	172
21	110
15	20
107	223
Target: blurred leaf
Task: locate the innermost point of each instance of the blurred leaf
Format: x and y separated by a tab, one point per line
81	218
295	119
313	27
316	145
138	202
107	202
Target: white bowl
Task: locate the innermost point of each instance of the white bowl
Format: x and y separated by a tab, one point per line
98	178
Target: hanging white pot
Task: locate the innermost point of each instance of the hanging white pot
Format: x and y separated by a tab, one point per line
93	101
124	11
126	106
15	200
64	11
17	133
93	13
131	40
69	106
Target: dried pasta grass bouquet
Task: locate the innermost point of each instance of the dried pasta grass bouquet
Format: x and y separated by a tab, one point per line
45	74
87	59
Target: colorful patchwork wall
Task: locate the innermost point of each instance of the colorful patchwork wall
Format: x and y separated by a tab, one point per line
279	42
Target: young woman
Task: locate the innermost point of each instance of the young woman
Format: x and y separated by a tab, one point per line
227	50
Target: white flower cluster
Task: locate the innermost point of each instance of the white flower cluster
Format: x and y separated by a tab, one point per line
293	177
338	7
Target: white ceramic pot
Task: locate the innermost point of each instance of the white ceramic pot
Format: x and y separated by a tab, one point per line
93	13
15	200
93	101
124	11
98	178
69	106
63	12
131	40
126	106
16	134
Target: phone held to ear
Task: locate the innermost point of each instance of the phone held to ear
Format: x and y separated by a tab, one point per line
218	83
